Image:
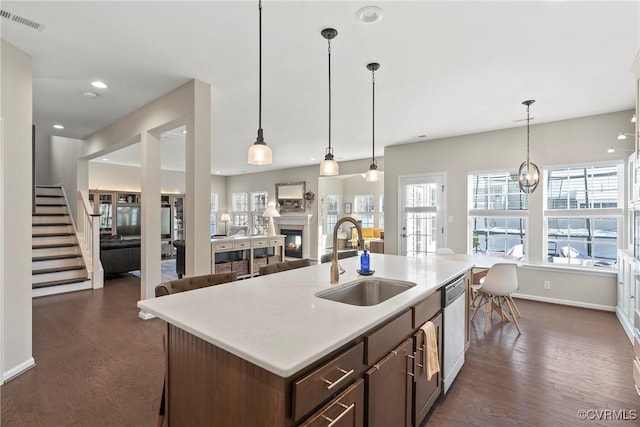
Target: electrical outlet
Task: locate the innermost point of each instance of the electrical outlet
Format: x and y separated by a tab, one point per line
547	284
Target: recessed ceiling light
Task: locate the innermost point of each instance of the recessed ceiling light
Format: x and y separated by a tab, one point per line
611	150
58	126
218	172
90	94
105	160
184	132
313	159
99	84
369	14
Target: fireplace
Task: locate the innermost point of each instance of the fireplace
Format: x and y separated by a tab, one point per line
292	242
297	226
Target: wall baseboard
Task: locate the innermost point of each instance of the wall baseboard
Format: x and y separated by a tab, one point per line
21	368
628	327
565	302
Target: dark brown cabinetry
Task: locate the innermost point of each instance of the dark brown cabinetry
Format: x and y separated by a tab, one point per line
346	410
389	388
377	380
425	391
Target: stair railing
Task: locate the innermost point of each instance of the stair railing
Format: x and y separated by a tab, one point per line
88	231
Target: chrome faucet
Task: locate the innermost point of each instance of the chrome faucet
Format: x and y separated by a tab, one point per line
335	267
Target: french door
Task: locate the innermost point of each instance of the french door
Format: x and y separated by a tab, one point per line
421	214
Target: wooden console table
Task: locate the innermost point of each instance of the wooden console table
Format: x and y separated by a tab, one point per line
249	253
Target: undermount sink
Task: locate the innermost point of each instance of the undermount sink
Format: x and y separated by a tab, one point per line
365	292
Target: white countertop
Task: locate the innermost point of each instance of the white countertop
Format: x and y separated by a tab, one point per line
276	321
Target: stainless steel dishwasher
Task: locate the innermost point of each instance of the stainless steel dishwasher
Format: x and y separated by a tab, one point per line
454	306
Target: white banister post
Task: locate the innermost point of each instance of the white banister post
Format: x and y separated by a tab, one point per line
97	273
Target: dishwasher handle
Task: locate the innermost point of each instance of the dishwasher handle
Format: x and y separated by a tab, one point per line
453	290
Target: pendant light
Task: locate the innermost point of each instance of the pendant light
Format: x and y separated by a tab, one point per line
373	174
259	153
528	173
329	167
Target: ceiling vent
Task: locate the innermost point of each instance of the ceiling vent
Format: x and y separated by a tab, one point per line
20	20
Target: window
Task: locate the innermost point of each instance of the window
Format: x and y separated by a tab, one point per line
364	209
240	209
333	212
583	214
258	205
213	216
498	213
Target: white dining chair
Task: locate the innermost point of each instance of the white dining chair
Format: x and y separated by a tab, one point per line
494	292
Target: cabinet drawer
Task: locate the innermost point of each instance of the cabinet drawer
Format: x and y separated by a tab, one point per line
426	309
276	242
242	245
383	340
260	243
222	246
310	391
347	409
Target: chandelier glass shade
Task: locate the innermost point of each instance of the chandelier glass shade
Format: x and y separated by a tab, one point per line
528	173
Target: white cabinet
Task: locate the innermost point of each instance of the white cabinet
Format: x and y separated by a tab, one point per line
245	255
628	284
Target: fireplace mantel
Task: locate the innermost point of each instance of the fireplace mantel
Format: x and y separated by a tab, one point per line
297	222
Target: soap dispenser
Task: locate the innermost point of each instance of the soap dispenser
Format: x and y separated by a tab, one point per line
364	262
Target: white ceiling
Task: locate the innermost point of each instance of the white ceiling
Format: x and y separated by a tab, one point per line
447	68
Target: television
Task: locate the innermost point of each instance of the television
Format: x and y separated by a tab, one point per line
128	220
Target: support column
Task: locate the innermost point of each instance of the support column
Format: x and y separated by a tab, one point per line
198	183
150	265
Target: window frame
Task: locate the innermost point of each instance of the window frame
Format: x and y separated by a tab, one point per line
499	214
368	214
584	261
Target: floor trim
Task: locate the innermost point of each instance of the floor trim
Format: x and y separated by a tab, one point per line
21	368
61	289
565	302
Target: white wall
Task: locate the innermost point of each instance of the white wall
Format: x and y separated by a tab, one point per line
15	277
266	181
43	155
564	142
128	178
64	153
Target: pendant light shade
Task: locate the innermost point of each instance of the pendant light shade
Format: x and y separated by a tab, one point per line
373	174
329	167
528	173
259	153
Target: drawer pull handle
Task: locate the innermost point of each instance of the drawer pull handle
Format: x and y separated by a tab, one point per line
332	422
342	378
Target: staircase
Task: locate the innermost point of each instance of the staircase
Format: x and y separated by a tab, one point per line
57	262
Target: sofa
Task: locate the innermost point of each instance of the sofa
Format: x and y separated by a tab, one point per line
284	266
368	234
194	282
119	255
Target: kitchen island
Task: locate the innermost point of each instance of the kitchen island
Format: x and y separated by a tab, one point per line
236	351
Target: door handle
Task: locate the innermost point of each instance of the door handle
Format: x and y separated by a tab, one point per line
403	235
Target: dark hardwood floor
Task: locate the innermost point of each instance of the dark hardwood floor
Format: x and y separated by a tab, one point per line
98	364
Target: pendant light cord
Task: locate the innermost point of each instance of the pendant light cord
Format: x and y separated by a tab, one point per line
528	137
373	114
329	54
260	65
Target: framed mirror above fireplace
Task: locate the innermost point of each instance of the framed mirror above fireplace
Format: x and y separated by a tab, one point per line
290	197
